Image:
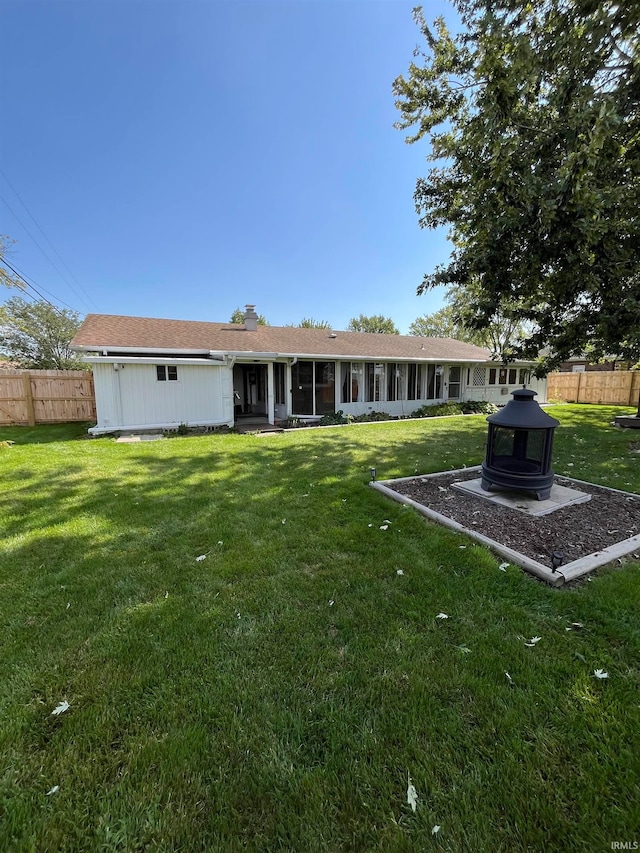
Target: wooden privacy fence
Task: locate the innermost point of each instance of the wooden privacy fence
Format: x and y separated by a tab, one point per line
610	387
29	397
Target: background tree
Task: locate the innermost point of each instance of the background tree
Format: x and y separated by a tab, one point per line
533	114
7	277
503	334
310	323
37	335
376	323
238	317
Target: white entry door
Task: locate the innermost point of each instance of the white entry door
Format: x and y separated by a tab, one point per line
455	375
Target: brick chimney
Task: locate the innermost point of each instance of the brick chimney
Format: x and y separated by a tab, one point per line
250	318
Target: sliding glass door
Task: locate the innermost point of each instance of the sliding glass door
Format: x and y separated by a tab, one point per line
302	387
313	387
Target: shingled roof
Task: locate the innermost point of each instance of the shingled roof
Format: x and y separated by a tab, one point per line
111	332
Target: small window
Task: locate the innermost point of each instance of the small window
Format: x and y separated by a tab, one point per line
492	376
164	372
512	375
524	376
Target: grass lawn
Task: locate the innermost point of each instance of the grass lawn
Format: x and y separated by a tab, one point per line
276	694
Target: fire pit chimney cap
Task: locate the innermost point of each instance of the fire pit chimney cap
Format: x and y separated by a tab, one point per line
523	412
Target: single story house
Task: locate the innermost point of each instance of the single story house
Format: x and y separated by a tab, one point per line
158	374
581	364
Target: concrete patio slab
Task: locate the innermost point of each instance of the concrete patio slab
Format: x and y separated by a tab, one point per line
561	496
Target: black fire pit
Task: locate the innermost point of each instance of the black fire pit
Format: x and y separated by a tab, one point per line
519	447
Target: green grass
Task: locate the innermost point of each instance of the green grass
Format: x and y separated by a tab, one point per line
226	704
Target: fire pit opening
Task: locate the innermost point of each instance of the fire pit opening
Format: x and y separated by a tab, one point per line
519	447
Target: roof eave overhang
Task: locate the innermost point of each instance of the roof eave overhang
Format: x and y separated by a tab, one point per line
332	356
104	351
109	348
162	359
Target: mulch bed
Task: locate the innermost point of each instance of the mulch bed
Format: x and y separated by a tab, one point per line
577	531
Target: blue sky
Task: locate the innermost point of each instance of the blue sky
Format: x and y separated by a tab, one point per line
184	158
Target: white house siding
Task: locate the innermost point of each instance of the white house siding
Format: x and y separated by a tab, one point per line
501	394
129	396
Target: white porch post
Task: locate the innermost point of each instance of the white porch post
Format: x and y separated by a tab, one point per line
271	414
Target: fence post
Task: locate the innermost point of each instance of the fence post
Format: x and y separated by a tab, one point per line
28	396
580	373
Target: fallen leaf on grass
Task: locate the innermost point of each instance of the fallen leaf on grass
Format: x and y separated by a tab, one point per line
60	709
53	790
331	602
384	527
412	794
442	616
599	673
399	572
533	642
284	521
464	649
503	567
201	558
435	830
574	626
509	679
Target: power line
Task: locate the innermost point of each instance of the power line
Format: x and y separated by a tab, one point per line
36	242
88	300
31	282
39	227
28	284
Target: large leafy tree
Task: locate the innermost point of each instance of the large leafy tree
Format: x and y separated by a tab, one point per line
375	323
38	335
532	112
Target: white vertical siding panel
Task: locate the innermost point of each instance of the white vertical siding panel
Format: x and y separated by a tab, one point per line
106	389
196	397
